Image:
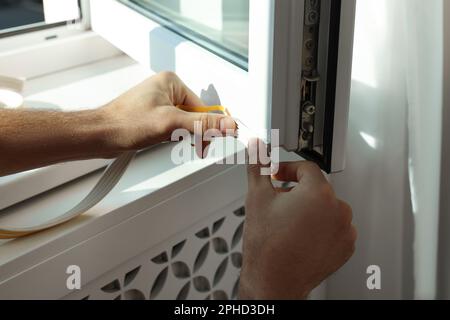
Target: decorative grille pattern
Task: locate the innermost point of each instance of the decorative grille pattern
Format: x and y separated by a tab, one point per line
203	264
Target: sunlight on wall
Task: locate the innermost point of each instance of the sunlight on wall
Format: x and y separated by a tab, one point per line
370	20
370	140
10	99
425	98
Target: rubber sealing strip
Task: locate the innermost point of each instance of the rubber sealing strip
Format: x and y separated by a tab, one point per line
107	182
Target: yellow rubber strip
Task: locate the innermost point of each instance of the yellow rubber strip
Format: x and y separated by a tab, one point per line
205	109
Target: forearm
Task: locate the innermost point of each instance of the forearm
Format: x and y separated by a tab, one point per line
30	139
144	116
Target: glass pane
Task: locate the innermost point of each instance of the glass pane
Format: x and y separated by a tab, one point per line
221	26
23	15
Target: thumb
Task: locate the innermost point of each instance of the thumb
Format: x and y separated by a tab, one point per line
258	182
223	123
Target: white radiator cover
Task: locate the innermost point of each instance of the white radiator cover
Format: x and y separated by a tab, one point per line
200	263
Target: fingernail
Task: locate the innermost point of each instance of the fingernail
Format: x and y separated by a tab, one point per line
227	124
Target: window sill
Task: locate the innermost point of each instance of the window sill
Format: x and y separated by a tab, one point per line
150	181
50	56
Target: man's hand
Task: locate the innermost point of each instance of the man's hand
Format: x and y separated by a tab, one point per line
294	239
147	114
144	116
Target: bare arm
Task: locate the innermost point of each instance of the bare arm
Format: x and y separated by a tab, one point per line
31	139
144	116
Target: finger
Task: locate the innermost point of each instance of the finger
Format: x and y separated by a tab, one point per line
284	190
201	123
257	182
191	99
205	149
346	212
298	171
184	95
187	120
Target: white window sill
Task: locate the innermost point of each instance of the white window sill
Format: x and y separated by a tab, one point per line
151	179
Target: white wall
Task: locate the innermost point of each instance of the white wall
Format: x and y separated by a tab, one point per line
394	147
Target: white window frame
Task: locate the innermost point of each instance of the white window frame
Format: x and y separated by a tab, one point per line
249	95
31	37
53	49
267	96
197	66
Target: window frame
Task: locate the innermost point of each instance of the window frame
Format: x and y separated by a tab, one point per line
265	96
197	66
20	30
269	84
76	43
32	35
194	36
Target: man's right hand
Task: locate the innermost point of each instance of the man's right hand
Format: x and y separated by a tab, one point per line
294	239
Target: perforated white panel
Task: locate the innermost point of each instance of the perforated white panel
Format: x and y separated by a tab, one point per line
201	263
